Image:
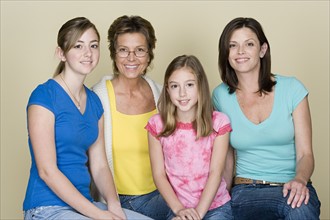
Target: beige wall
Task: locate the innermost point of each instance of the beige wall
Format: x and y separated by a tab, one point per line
298	32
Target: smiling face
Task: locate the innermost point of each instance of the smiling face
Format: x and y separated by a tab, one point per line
245	51
131	66
183	91
83	57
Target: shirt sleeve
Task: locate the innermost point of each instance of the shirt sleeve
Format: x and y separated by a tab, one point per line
221	123
97	103
154	125
41	96
298	92
215	97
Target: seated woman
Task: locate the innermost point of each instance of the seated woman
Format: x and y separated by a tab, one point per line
272	131
129	99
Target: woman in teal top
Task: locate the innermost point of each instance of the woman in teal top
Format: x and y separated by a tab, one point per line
271	137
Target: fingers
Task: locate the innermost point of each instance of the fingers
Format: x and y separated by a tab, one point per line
285	189
299	193
307	197
188	214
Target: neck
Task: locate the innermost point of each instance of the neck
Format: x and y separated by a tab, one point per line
126	85
186	117
75	83
248	82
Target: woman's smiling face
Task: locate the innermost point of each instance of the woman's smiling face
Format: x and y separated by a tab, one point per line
132	66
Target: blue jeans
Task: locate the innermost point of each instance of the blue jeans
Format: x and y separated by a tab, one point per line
68	213
256	201
221	213
151	204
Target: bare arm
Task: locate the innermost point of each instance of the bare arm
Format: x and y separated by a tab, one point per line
102	175
229	172
161	181
41	130
304	156
217	165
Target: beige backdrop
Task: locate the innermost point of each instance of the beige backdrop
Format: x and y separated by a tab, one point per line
298	32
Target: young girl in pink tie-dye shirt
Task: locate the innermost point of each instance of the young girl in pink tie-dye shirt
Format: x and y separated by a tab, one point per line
188	143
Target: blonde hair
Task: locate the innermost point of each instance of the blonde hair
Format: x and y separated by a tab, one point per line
69	34
167	110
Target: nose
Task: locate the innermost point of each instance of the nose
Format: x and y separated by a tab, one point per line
131	55
241	50
182	91
88	52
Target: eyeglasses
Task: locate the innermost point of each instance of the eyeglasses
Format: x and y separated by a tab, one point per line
138	52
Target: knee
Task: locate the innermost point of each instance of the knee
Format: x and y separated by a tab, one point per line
310	211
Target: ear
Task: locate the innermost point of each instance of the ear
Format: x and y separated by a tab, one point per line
263	50
60	54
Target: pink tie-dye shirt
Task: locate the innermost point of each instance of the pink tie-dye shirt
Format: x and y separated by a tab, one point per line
187	160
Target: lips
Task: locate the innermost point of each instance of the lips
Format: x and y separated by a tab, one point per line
87	62
241	60
183	102
131	66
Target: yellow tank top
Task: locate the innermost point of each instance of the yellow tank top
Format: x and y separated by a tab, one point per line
132	169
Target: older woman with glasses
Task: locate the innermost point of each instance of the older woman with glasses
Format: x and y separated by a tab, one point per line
129	99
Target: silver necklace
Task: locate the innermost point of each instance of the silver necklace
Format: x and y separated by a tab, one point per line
76	100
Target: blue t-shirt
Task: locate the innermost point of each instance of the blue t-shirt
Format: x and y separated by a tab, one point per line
265	151
74	134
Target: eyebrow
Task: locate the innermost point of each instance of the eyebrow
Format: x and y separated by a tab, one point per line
142	45
189	80
81	41
244	41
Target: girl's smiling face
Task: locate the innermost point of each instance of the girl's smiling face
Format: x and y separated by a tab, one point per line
83	57
183	91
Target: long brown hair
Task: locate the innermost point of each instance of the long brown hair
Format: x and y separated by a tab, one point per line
167	110
69	34
227	73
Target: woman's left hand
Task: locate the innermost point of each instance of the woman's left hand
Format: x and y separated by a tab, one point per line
298	193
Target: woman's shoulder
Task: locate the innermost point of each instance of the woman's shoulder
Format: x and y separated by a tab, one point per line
102	83
222	90
286	79
222	87
289	83
94	98
44	94
45	88
91	93
155	87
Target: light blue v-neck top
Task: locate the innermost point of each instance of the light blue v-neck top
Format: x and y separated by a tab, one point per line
265	151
